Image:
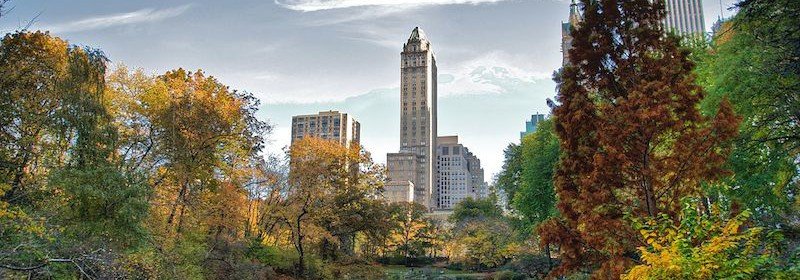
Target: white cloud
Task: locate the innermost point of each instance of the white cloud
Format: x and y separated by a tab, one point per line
119	19
489	73
319	5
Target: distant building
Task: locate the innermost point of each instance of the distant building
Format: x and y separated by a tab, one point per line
685	17
530	126
403	168
330	125
459	174
398	191
566	27
418	96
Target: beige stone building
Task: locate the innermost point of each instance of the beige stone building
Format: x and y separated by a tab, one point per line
398	191
416	159
460	174
330	125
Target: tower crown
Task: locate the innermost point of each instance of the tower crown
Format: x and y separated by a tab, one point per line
417	35
418	41
574	14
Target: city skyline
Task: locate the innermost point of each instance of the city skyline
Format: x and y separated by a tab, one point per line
483	70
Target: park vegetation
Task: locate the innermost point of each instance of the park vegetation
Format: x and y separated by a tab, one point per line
665	157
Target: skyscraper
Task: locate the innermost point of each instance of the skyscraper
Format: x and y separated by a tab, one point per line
566	38
530	126
330	125
685	17
417	157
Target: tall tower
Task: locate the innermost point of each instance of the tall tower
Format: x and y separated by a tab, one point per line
416	161
566	27
685	17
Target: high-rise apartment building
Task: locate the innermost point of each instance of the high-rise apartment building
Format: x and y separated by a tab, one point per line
418	95
530	126
685	17
330	125
460	174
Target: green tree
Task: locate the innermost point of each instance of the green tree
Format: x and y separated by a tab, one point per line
59	153
508	180
475	209
752	62
535	199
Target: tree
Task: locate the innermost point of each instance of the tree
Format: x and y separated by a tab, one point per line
481	237
475	209
508	179
195	143
328	202
535	199
32	69
411	234
752	62
60	164
633	141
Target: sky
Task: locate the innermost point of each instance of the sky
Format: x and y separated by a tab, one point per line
495	57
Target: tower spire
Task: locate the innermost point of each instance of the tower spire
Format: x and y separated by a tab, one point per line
574	14
417	35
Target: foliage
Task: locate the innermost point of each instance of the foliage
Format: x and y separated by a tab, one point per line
535	200
412	233
330	197
507	275
475	209
59	171
705	247
481	237
483	244
752	62
633	140
508	180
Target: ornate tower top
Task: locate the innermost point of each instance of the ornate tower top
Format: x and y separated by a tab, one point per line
574	14
417	42
417	35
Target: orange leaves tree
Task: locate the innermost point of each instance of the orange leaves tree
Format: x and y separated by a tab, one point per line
633	140
330	197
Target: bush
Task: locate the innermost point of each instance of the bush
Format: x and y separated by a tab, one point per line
507	275
400	260
532	265
279	259
316	268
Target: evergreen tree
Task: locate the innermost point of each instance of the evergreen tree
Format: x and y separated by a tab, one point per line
633	140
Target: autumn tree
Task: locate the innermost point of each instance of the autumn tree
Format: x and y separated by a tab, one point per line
195	143
330	196
60	170
412	232
633	140
481	237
